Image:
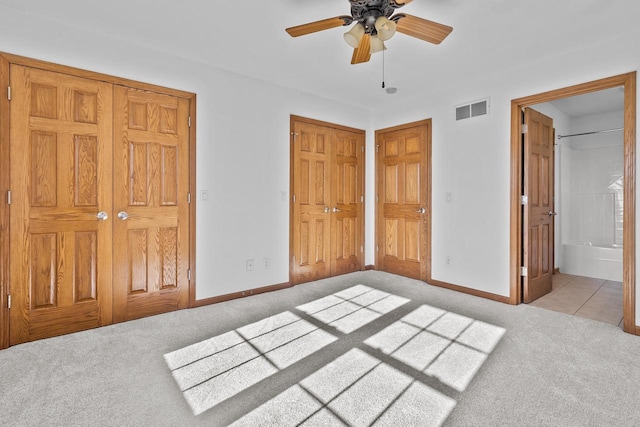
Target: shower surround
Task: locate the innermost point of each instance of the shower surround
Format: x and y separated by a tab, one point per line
591	198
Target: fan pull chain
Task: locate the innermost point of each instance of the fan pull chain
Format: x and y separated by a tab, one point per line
382	68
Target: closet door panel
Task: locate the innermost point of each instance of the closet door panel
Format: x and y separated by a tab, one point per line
327	226
347	188
311	228
60	151
151	228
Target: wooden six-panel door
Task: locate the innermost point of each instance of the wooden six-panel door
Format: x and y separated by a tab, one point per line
403	200
311	216
538	217
347	223
151	224
61	223
99	214
327	226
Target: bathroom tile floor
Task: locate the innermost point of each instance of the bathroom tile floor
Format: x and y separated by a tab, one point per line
595	299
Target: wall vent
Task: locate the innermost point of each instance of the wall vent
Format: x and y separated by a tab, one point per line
472	109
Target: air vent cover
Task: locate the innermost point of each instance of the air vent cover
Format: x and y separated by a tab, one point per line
472	109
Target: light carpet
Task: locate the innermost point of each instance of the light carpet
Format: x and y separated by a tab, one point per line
367	348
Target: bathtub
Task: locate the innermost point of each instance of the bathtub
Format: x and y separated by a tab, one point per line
601	261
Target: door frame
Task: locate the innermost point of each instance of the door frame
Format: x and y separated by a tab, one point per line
4	206
425	275
6	60
628	82
292	120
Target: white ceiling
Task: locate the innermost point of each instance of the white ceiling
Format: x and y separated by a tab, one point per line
604	101
248	37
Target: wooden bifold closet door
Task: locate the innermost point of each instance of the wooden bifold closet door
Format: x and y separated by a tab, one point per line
327	209
99	223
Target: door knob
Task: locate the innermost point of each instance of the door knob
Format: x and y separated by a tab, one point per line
336	209
326	209
552	213
102	216
123	215
421	210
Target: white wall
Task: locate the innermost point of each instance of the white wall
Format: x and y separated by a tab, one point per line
243	149
242	145
471	157
471	161
243	161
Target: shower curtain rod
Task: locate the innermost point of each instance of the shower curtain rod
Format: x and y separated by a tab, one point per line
590	133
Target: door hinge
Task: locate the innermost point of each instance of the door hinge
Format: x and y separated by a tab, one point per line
293	198
293	134
523	271
377	147
377	248
361	199
362	148
189	274
361	248
9	301
189	121
9	93
9	197
376	198
524	200
294	260
189	198
525	128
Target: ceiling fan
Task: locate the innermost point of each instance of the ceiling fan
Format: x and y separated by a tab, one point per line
375	25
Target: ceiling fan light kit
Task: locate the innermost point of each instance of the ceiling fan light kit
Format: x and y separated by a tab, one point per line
354	35
385	28
375	24
377	45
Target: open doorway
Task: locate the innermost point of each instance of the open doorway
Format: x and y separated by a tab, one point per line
588	151
626	236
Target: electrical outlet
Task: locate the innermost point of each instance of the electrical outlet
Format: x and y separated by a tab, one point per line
250	265
449	197
204	195
448	260
267	263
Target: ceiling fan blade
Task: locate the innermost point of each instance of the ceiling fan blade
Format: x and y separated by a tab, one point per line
363	52
316	26
423	29
403	2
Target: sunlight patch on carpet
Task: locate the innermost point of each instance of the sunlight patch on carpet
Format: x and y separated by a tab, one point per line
443	345
357	388
352	308
216	369
354	389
